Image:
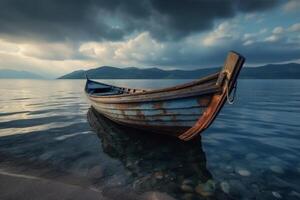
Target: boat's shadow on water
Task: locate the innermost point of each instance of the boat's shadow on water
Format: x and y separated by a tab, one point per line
156	162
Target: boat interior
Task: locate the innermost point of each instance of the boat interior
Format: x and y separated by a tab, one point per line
101	89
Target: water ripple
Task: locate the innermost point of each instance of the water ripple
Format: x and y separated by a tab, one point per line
253	146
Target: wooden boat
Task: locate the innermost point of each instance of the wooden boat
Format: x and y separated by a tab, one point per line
182	111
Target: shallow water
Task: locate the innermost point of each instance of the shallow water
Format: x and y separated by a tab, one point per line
252	150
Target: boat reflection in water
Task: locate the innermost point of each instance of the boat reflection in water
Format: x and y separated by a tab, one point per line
156	162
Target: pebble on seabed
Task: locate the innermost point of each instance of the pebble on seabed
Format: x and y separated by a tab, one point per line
187	188
277	195
276	169
188	196
156	195
187	182
158	175
206	189
243	172
225	187
294	193
238	188
96	172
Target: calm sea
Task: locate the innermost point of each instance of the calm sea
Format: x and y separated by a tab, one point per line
251	151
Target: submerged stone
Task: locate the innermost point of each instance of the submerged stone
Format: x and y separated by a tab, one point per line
225	187
96	172
187	182
159	175
187	188
188	196
277	195
243	172
276	169
156	196
237	188
295	194
206	189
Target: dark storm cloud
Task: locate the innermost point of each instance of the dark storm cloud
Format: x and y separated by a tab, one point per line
199	57
185	17
83	20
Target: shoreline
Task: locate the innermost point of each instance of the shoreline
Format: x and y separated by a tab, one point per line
21	186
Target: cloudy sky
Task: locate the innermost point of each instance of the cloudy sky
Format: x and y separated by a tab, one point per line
54	37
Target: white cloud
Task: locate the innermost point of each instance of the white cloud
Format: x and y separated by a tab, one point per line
247	36
52	68
264	30
293	5
42	58
257	17
97	50
272	38
143	47
45	51
48	51
248	42
250	16
223	32
8	47
294	27
250	38
134	51
278	30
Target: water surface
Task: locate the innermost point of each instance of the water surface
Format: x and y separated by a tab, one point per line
251	151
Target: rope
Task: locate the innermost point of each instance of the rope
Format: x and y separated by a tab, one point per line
230	99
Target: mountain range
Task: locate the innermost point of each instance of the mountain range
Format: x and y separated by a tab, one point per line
270	71
8	73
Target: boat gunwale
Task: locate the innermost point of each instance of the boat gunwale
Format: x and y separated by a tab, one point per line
148	109
203	90
138	121
151	91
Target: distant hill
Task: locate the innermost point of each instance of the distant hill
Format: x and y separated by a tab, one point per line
8	73
271	71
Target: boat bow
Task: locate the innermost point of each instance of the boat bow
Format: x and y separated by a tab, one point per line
227	79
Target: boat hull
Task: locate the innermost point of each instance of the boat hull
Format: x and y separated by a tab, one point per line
166	116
